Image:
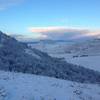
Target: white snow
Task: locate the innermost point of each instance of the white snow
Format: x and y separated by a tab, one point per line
18	86
91	62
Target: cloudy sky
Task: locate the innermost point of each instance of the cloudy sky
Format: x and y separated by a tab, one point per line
50	19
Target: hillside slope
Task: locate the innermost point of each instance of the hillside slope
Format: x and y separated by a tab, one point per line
18	57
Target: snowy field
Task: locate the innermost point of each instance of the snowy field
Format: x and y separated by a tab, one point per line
17	86
91	62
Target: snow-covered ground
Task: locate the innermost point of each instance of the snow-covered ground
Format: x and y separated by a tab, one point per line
85	53
18	86
91	62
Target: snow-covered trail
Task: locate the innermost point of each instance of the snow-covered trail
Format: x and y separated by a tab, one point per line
18	86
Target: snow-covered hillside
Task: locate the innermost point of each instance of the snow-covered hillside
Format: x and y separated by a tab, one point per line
18	86
18	57
86	53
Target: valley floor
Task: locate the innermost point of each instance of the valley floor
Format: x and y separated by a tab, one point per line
18	86
91	62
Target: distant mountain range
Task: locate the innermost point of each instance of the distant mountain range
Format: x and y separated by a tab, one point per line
19	57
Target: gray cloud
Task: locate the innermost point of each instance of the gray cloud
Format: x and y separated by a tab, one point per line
57	33
64	32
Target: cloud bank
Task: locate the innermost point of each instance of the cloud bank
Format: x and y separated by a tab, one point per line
63	33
